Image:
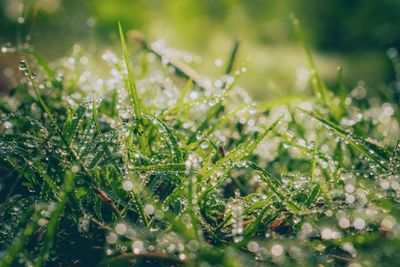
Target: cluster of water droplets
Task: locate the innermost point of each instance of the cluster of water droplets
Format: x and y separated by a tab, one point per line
235	206
125	238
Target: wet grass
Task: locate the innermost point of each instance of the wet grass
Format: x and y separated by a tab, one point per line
154	164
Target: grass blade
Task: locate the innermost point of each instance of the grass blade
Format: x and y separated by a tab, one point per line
349	138
276	188
318	84
54	219
72	123
171	139
132	91
321	181
161	168
313	163
236	154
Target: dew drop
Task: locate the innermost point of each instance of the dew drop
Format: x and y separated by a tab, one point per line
20	20
121	228
276	250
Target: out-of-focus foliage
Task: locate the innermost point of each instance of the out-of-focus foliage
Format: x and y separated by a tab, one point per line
354	34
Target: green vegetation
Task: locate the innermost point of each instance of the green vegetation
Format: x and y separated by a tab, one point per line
154	164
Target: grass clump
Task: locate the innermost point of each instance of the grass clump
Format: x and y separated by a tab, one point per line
160	166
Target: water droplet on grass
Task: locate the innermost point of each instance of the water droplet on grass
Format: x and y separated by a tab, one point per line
22	65
75	168
127	185
218	62
252	246
137	246
359	224
120	228
149	209
276	250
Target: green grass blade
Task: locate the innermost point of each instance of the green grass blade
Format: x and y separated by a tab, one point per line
281	101
161	168
226	118
44	64
313	163
276	188
180	69
321	181
316	80
71	125
255	225
180	106
171	139
313	196
132	90
49	238
232	57
239	152
185	92
394	161
342	93
43	173
258	205
210	114
349	138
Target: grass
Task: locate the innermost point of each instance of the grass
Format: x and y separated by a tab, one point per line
155	166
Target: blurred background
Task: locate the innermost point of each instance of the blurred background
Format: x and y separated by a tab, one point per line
355	34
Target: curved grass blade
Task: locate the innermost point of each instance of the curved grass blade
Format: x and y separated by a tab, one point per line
132	92
276	188
253	226
349	138
226	118
181	69
172	140
44	64
211	113
239	152
258	205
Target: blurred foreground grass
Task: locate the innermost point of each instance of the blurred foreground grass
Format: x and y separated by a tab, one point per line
353	35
